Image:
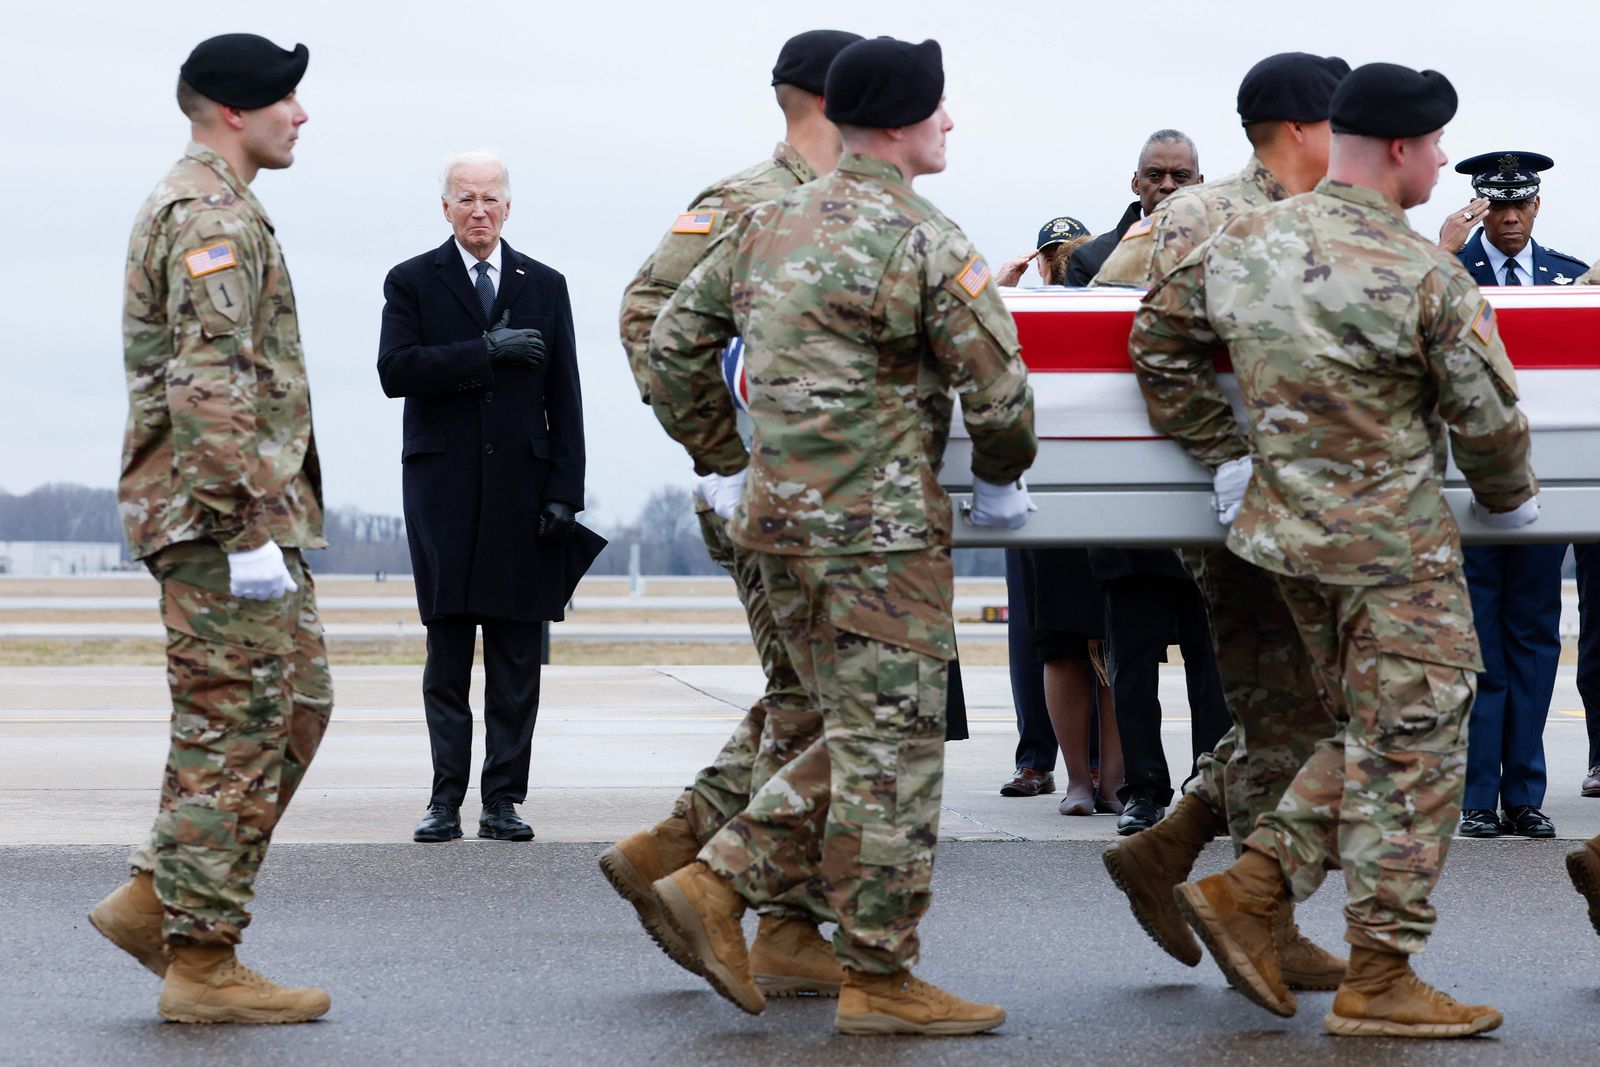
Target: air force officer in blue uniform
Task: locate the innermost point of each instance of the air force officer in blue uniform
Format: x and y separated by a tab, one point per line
1516	589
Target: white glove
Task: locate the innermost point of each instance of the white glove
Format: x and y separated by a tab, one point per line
722	491
1229	483
1523	514
1003	507
259	573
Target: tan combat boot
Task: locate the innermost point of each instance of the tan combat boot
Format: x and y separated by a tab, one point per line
1149	865
1382	997
130	918
1303	963
207	984
633	863
1233	912
790	958
704	910
901	1003
1583	866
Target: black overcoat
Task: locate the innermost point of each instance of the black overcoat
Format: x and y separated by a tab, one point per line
483	447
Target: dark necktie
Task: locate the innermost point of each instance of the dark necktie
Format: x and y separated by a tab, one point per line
1511	272
486	287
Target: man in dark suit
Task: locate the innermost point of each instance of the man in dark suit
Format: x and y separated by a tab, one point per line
1516	589
478	339
1168	161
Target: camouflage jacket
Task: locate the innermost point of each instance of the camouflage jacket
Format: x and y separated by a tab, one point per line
1356	342
861	306
714	211
218	444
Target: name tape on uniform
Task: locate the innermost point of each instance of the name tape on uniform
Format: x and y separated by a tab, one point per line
210	259
974	277
695	222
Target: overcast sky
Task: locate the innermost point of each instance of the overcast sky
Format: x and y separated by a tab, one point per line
612	116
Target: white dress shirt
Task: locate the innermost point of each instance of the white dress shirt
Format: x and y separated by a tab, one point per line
1497	262
471	262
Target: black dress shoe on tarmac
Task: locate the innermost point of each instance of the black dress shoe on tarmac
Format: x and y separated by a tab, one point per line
500	822
1028	782
441	823
1591	782
1140	813
1480	822
1525	820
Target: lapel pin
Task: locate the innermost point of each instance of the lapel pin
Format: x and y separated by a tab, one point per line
521	271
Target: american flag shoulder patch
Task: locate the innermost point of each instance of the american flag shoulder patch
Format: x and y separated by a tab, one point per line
1483	322
1140	228
695	222
210	259
974	277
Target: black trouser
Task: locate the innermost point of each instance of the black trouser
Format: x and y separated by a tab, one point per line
1143	612
1036	739
1587	557
510	705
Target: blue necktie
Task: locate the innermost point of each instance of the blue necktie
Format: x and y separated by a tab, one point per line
1511	273
485	287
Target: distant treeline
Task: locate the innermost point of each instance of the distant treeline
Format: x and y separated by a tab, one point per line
666	532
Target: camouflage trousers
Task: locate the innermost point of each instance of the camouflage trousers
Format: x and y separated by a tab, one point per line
1275	698
1382	795
251	696
776	729
864	799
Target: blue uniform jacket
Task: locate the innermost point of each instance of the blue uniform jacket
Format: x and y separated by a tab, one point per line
1549	266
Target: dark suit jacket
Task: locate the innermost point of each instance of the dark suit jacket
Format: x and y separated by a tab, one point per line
1549	266
484	447
1087	259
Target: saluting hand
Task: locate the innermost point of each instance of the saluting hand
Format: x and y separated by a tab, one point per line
508	347
1458	225
1011	272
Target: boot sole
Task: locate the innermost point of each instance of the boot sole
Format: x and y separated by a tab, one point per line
777	986
1124	874
433	839
1312	985
1339	1025
246	1016
685	922
632	887
495	835
1582	869
1235	966
116	934
879	1023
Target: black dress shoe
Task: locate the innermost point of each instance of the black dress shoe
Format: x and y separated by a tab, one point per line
1480	822
1028	782
499	821
1140	813
1525	820
441	823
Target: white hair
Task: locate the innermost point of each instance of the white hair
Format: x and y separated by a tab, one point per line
481	157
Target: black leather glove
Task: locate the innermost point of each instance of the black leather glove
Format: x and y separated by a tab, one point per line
513	348
556	521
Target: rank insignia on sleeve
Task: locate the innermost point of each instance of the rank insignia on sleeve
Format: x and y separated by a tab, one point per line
1140	228
974	277
211	259
695	222
1483	322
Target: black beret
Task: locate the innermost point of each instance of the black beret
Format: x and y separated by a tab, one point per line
885	83
1290	87
804	60
1388	100
244	70
1506	176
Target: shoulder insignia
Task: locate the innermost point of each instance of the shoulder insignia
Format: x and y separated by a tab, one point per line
1483	322
974	277
212	258
695	222
1140	228
221	288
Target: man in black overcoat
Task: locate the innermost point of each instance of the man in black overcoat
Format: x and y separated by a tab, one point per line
478	339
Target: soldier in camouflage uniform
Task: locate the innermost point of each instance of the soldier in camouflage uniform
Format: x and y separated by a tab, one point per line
861	307
1271	689
1358	344
789	956
220	494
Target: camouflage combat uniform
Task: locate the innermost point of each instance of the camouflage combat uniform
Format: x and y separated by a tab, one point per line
1357	344
861	307
1271	689
219	458
783	723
